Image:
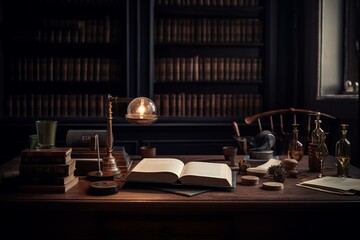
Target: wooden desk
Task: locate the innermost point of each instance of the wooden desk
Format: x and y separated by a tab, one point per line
246	212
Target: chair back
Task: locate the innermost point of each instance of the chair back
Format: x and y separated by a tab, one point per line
280	123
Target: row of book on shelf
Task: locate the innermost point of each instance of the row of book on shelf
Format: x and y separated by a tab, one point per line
208	105
218	3
100	30
214	3
93	105
208	69
208	30
64	69
249	3
81	2
55	105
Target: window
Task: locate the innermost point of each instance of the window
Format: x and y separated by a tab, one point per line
339	49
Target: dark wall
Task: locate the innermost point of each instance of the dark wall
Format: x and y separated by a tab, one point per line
286	46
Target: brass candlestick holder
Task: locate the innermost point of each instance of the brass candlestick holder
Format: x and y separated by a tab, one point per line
140	111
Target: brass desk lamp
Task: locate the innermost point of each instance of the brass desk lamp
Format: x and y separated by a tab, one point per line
140	111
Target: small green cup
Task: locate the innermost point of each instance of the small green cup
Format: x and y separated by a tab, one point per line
46	132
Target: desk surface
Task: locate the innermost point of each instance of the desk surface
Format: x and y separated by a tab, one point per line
152	214
242	197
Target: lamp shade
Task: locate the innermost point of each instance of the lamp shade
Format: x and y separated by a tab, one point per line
141	111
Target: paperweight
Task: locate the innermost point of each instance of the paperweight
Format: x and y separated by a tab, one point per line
103	187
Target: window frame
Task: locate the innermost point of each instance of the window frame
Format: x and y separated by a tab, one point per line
335	22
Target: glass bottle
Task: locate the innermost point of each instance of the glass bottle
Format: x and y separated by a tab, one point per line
317	133
321	154
316	137
343	153
296	148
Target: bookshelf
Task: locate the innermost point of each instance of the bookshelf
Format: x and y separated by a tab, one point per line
59	58
209	58
62	57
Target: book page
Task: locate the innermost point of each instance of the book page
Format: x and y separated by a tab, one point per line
166	170
344	184
210	174
159	165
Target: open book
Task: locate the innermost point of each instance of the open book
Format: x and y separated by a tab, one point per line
174	171
337	185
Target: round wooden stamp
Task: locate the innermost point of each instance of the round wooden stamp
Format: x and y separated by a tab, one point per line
290	166
249	180
274	186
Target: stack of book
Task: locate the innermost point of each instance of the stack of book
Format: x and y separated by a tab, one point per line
87	159
47	170
85	152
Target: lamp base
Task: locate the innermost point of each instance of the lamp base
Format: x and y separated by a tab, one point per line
109	165
104	188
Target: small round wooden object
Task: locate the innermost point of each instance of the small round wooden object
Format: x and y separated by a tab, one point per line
290	163
290	166
249	180
274	186
103	187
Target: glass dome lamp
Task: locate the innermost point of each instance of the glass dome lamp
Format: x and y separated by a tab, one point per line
141	111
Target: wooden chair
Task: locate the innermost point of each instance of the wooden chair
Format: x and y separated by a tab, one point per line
280	123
